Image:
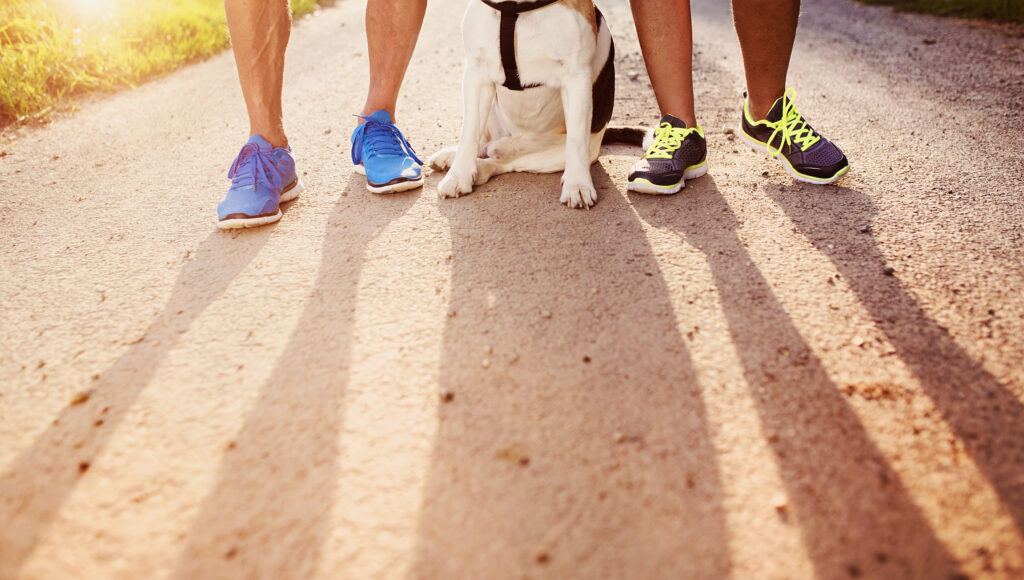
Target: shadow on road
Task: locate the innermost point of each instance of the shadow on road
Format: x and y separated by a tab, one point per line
986	418
62	455
855	515
268	513
576	440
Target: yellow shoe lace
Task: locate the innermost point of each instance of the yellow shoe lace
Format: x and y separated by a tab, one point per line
791	127
668	139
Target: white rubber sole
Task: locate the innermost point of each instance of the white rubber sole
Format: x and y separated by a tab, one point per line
645	186
394	187
241	223
762	148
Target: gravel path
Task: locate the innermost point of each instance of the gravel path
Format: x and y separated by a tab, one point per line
751	379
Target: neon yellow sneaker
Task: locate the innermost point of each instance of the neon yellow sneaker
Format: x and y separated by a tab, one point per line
677	153
785	135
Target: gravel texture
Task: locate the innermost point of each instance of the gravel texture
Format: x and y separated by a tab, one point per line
753	378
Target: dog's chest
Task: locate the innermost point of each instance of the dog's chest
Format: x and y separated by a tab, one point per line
550	42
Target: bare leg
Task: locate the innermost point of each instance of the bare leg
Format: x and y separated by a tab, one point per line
259	36
766	49
666	39
392	27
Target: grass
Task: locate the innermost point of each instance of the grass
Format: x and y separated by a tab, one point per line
1004	10
53	49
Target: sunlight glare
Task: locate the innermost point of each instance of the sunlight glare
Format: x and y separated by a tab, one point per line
93	8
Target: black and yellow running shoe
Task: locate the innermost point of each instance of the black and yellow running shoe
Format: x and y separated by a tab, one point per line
785	135
677	153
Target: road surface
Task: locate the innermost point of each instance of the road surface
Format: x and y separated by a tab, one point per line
752	378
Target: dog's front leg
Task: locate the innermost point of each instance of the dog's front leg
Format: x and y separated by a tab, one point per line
478	96
577	102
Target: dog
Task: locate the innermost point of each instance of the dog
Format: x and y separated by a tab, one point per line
538	89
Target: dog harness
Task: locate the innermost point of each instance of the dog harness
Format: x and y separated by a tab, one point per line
604	86
510	12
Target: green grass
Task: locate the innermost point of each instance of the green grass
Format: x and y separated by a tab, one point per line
1004	10
53	49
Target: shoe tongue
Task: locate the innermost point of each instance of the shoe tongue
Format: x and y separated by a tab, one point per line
260	142
775	113
674	121
380	116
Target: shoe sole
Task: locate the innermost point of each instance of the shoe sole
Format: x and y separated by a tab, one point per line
391	187
761	147
645	186
240	223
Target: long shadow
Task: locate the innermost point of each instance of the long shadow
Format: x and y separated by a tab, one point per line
856	517
986	417
574	441
62	454
268	513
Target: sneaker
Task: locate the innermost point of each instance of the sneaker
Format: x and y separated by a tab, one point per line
677	153
785	135
381	153
262	178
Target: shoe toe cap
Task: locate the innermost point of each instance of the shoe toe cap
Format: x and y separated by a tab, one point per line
241	203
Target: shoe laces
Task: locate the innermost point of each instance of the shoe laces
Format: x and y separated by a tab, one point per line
380	139
667	140
254	165
792	127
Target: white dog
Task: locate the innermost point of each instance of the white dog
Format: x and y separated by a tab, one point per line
538	89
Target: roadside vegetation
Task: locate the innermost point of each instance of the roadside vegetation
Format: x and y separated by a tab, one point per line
1004	10
53	49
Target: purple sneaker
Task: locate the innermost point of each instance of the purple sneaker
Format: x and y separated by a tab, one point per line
787	137
262	178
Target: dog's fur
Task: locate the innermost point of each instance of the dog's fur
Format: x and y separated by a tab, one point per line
543	129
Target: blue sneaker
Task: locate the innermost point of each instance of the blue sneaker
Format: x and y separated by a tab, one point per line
262	178
381	153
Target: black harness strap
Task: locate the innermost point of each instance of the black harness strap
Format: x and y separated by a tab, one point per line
507	37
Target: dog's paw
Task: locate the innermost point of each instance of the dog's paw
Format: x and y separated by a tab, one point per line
501	149
578	193
442	160
485	170
455	184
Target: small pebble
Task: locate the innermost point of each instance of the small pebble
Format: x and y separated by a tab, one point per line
888	270
633	75
764	174
486	363
447	397
780	504
545	314
80	397
865	229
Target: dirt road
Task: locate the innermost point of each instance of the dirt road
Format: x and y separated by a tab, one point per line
752	379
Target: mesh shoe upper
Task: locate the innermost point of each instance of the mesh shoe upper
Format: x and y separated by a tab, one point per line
675	148
382	150
258	176
785	132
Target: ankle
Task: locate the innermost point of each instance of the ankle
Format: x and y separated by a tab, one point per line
760	103
759	110
688	117
276	138
370	108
